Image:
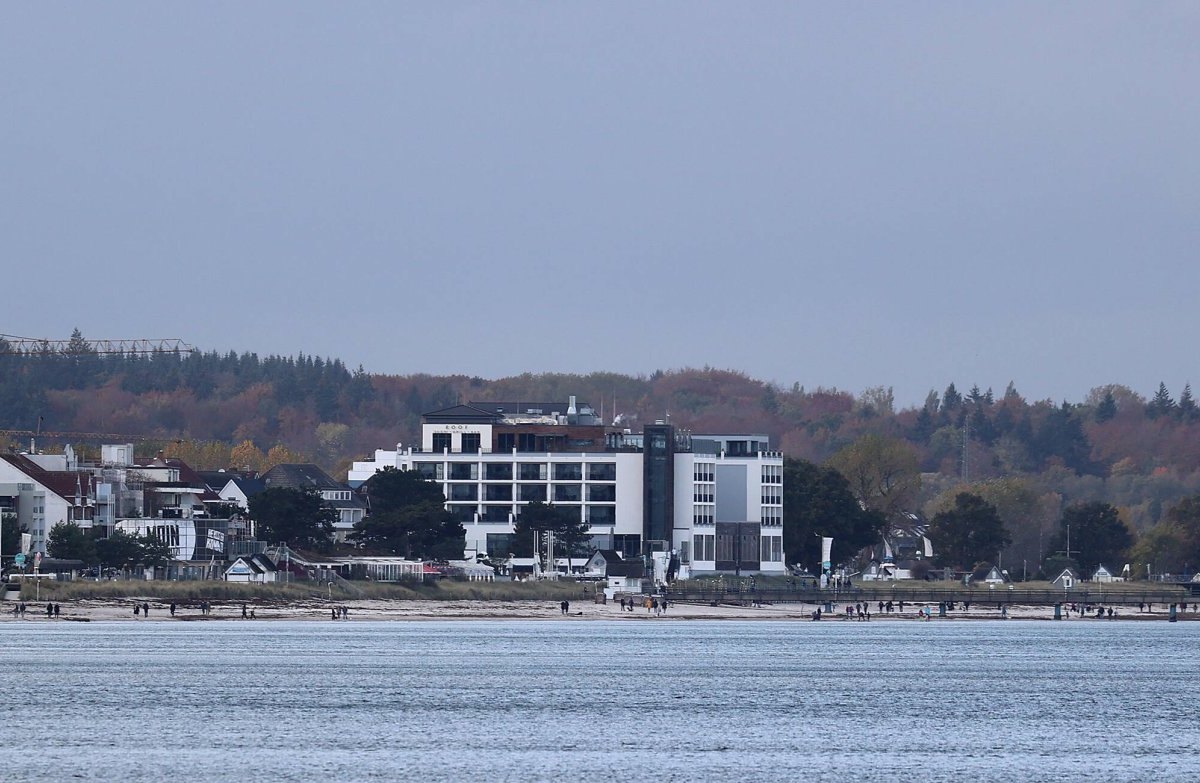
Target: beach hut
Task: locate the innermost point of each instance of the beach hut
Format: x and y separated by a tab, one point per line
251	568
1066	579
1102	574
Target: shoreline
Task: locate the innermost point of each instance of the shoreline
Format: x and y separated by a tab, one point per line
400	610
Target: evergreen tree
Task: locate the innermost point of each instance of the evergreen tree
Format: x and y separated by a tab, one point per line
1187	410
1162	404
969	533
951	399
1107	408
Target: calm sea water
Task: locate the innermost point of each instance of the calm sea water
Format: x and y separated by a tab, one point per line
591	700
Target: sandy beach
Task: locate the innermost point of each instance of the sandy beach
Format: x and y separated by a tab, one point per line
368	610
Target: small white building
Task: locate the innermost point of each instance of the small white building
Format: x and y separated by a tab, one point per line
1102	574
1066	579
251	568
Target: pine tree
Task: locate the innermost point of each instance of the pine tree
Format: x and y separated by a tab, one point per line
1187	406
951	399
1162	404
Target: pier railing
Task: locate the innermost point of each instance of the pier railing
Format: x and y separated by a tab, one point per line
1160	598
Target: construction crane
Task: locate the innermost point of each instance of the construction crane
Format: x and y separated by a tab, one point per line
11	344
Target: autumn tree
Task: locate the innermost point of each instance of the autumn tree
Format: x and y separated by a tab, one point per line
883	473
1173	544
247	456
282	455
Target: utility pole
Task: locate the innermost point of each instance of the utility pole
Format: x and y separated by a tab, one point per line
966	466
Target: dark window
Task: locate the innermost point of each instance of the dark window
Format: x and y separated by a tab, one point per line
470	443
568	493
603	493
529	493
496	513
441	441
602	471
532	471
430	470
497	492
498	471
506	441
499	544
601	515
464	471
464	492
462	513
568	471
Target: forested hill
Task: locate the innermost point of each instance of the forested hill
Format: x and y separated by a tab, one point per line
1114	445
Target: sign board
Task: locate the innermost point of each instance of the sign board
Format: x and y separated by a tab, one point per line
19	559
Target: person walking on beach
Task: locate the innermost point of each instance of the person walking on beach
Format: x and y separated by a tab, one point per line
145	609
137	610
57	611
244	613
664	606
172	608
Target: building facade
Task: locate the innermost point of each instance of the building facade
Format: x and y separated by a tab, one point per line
714	501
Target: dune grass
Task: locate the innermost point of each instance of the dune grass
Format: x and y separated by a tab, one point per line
186	591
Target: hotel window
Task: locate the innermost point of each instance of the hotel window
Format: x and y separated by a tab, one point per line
464	492
430	471
703	493
531	493
498	471
498	492
602	471
601	515
772	474
772	549
568	471
568	493
602	493
772	495
441	441
704	547
702	515
531	471
462	513
772	516
703	471
470	443
464	471
496	513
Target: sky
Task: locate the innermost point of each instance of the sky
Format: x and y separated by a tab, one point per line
840	195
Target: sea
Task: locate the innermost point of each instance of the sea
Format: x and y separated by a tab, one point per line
645	700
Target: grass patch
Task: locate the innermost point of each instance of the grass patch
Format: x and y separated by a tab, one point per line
187	591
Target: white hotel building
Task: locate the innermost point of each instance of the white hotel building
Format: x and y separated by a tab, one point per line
715	501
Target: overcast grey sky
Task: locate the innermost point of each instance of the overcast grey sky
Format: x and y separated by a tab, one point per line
838	194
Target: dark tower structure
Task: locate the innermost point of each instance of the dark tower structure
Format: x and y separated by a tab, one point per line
658	486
